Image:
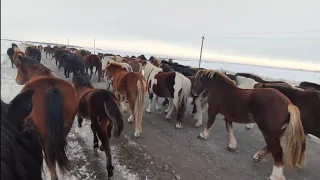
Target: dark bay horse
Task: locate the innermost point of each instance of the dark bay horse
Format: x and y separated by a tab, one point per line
310	85
101	107
10	53
91	61
129	86
21	151
276	116
55	105
307	101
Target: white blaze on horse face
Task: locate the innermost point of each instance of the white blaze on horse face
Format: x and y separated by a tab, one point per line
277	173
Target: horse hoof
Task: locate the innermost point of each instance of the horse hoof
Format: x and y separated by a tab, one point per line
159	110
136	134
110	171
178	126
201	136
148	111
101	148
230	149
95	145
197	125
167	119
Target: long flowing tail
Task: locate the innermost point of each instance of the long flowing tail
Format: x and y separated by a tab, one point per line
184	94
293	141
114	113
56	137
138	107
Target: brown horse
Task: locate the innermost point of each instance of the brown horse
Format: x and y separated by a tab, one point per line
134	63
91	61
130	86
308	103
101	107
55	105
17	53
276	116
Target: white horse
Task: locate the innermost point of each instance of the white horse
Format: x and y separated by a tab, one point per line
181	91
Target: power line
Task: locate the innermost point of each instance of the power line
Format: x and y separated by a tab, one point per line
258	38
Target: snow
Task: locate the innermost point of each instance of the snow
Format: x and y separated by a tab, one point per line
76	150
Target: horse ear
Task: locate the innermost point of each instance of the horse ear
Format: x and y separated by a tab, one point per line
20	107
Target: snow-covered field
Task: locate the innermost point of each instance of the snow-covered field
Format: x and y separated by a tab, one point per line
76	150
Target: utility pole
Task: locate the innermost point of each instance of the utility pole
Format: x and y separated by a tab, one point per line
94	46
201	48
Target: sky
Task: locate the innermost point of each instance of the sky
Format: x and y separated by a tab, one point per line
282	33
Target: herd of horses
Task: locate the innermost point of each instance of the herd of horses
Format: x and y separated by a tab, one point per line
41	116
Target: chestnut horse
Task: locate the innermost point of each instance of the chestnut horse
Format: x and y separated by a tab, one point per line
100	106
307	101
17	53
172	85
276	116
129	86
55	105
91	61
247	81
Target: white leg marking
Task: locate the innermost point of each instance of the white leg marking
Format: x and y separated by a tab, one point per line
232	139
130	119
277	173
158	107
179	125
205	133
249	126
148	110
123	108
169	106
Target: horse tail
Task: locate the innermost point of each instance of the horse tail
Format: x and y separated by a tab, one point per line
114	113
139	102
56	136
293	141
184	95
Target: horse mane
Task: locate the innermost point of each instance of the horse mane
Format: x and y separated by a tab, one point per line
210	74
33	63
116	65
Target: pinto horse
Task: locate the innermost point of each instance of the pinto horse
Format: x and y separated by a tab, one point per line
129	86
276	116
55	105
101	107
91	61
307	101
172	85
21	151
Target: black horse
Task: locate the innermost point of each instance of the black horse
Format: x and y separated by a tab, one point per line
21	151
72	63
34	53
10	53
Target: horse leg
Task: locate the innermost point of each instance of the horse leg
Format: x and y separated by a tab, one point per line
102	133
91	72
148	110
171	109
258	156
138	125
211	118
94	131
169	106
165	102
232	140
249	126
80	120
158	107
199	111
123	107
273	144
